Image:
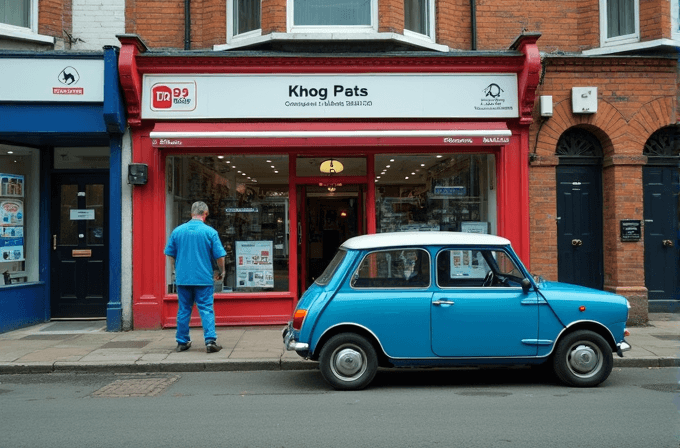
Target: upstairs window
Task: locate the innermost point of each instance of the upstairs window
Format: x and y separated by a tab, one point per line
619	21
246	17
16	13
419	17
332	15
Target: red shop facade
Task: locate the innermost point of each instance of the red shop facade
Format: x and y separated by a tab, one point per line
294	153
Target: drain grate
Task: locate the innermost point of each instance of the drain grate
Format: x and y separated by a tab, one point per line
135	387
126	344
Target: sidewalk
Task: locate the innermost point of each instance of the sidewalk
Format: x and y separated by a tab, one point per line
85	346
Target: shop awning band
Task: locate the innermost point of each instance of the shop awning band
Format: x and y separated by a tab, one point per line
211	135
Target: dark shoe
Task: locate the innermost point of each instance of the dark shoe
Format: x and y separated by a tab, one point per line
182	347
212	347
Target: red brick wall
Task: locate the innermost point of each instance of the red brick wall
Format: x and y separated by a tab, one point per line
54	16
391	16
636	97
274	16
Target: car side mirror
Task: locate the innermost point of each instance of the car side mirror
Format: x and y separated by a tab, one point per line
526	285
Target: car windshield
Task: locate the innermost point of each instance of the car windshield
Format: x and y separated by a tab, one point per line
328	273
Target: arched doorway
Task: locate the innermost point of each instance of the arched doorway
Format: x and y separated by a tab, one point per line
661	185
579	209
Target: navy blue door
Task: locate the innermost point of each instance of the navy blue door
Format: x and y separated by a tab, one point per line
79	262
662	255
579	225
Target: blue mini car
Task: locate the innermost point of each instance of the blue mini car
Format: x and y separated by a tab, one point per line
437	299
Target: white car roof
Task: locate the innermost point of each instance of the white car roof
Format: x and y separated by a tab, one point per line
401	239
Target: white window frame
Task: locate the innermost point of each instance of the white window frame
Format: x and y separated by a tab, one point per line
618	40
32	19
324	29
29	33
231	37
431	15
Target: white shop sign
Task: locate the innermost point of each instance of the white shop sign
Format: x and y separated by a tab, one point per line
456	95
58	80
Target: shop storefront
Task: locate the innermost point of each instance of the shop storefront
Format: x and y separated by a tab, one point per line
294	154
61	124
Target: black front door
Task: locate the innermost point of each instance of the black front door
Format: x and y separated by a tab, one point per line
662	255
579	225
79	262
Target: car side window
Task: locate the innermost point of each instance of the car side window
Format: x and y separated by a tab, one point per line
395	268
461	268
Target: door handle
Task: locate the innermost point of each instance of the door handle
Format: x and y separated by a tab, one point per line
576	243
668	243
54	242
443	302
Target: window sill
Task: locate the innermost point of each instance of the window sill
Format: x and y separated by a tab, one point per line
368	36
657	44
25	35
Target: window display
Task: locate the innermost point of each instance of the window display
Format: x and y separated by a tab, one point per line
18	234
248	201
419	192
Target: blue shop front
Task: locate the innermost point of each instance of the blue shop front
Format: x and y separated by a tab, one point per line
62	121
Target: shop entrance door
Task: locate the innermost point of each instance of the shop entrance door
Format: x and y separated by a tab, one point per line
329	221
662	254
79	262
579	225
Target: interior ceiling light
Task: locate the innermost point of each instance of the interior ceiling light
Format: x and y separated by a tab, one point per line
331	166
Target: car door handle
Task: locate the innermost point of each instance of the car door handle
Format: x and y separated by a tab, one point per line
443	302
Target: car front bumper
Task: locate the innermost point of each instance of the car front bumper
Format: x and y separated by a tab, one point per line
621	347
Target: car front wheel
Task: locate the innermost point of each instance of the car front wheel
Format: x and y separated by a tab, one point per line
583	359
348	362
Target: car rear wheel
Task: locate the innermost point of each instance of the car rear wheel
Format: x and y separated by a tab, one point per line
348	362
583	359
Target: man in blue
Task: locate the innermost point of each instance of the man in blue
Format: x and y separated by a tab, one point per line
192	247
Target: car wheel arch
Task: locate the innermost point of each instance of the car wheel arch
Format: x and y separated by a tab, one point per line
360	330
588	325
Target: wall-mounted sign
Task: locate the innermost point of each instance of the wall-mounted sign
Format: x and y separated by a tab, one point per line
82	214
631	230
402	95
61	80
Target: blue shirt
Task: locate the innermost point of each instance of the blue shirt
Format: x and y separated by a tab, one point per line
194	245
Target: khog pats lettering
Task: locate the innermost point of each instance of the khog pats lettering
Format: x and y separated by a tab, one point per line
300	91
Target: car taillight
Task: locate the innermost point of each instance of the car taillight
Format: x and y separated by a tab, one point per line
298	318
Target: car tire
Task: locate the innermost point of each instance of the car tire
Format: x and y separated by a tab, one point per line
583	359
348	362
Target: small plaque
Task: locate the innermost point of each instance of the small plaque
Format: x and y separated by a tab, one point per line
81	253
631	230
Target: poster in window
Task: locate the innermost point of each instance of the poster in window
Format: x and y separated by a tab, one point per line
11	185
11	212
11	244
254	264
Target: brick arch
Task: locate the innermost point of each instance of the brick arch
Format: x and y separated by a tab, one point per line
649	119
608	125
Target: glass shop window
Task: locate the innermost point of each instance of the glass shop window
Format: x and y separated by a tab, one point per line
19	210
247	197
420	192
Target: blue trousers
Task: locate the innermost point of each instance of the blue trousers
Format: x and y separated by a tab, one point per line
202	296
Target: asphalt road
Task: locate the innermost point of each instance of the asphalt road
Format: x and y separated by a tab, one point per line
434	408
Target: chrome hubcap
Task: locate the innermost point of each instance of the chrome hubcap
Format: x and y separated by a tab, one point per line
584	359
348	363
